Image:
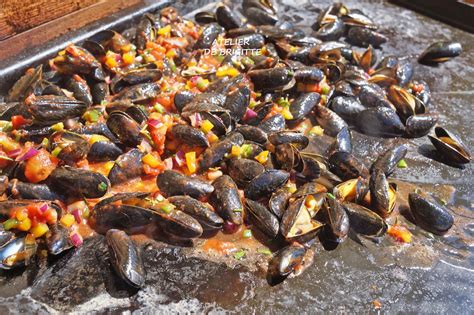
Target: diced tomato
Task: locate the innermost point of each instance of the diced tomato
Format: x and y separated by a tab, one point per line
19	122
40	166
158	134
399	233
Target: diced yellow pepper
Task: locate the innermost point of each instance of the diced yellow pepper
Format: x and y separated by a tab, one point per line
111	62
58	127
21	215
67	220
191	161
233	72
262	157
213	138
24	225
126	48
97	138
151	160
171	53
164	30
236	151
39	230
8	145
316	131
221	71
286	114
206	126
128	58
108	166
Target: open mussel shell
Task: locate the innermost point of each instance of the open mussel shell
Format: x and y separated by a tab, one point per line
262	218
440	52
285	262
405	103
297	222
429	214
202	212
450	146
125	258
364	221
17	252
23	87
352	190
286	156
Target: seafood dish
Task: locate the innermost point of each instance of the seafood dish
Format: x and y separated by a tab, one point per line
188	129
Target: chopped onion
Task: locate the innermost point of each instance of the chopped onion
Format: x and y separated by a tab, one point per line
76	240
179	158
196	120
43	208
77	215
249	114
168	163
154	123
28	155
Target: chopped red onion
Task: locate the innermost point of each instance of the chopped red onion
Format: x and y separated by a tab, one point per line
77	215
14	153
76	240
249	114
28	155
196	120
43	208
154	123
179	158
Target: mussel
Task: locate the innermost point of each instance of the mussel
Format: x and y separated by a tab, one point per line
450	146
429	214
125	258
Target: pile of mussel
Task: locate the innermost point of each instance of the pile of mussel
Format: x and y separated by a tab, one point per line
139	101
